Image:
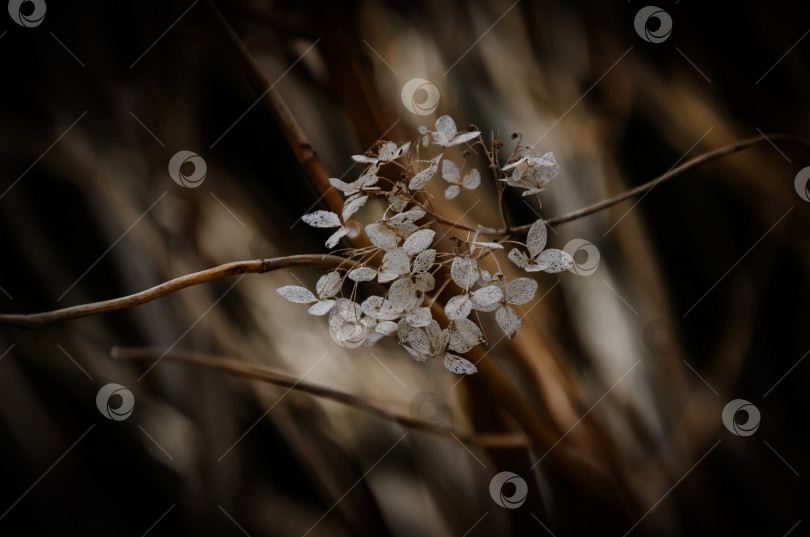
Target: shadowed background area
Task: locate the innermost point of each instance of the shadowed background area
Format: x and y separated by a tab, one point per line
699	298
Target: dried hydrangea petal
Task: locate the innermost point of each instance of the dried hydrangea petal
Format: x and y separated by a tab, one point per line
419	317
519	258
353	205
471	179
418	241
486	297
451	192
450	171
536	238
382	236
362	274
424	261
458	307
321	308
552	260
322	219
333	239
328	285
458	365
419	180
297	294
508	320
464	271
520	291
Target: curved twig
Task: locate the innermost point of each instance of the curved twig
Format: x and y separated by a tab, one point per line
250	371
641	189
256	266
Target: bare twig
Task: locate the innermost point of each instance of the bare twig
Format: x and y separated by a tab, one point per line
633	192
257	266
246	370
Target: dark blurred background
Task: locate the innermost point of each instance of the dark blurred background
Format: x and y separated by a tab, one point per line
700	296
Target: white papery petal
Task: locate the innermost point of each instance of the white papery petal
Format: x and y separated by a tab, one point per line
379	308
322	219
553	260
464	271
402	295
416	355
520	290
419	317
519	258
328	285
382	236
387	152
543	169
418	340
458	307
471	179
333	239
424	261
508	320
352	206
459	365
536	238
346	188
419	180
418	241
408	217
464	336
321	308
362	274
387	328
463	137
364	159
297	294
450	171
486	297
446	126
424	282
395	263
451	192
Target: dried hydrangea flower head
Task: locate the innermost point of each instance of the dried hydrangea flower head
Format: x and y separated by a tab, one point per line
403	258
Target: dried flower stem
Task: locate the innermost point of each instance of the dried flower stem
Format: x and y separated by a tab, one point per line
243	369
256	266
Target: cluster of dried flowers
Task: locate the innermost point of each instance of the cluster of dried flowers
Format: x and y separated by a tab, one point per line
410	261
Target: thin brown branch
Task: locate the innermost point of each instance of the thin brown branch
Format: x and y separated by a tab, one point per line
250	371
255	266
641	189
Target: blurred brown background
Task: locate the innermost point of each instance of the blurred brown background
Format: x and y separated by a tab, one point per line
700	296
